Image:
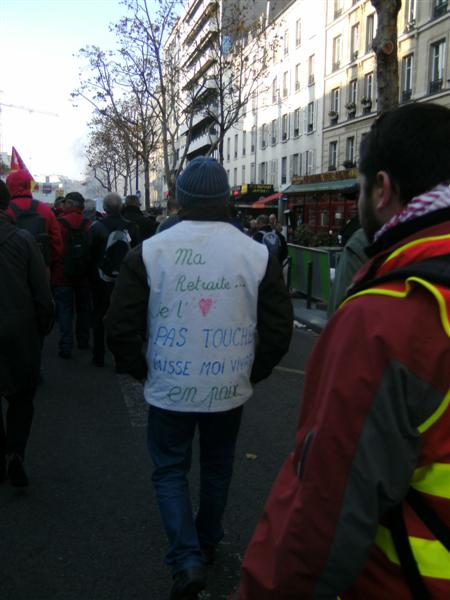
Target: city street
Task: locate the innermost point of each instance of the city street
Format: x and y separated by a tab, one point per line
88	527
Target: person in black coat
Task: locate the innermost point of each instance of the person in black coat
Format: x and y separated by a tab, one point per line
102	289
26	316
146	225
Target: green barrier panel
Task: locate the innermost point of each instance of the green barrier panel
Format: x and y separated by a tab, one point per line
321	259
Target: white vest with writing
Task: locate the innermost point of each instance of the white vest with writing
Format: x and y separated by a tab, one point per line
203	278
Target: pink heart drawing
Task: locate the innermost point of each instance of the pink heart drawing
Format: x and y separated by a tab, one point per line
205	305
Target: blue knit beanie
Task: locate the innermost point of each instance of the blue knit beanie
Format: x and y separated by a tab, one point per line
203	182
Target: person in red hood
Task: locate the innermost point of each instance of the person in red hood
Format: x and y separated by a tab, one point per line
70	276
19	186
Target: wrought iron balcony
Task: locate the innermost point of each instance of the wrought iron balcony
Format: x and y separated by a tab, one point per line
435	86
439	9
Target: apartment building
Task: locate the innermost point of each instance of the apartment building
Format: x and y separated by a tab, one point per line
280	135
303	126
350	74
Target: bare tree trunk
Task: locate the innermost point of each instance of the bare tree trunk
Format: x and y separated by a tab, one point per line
147	183
385	47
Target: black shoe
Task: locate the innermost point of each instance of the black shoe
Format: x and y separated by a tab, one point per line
65	354
98	362
16	471
209	553
188	584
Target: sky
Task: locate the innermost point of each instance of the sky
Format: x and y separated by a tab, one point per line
38	39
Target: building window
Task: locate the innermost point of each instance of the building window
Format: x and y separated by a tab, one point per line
332	159
274	91
236	145
310	121
284	128
298	33
437	66
439	8
274	132
286	43
294	168
244	142
296	122
309	162
243	174
285	84
350	151
228	148
410	12
354	43
253	139
353	91
235	176
337	49
370	24
311	69
407	67
264	135
252	173
297	77
254	102
337	8
273	175
284	170
335	100
262	172
366	100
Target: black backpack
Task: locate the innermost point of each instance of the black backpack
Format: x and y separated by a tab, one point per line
272	241
77	251
36	224
117	246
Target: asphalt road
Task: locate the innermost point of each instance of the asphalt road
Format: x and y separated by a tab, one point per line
88	527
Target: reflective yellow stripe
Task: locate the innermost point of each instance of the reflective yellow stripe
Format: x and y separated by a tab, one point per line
375	291
403	294
436	415
433	479
433	560
416	243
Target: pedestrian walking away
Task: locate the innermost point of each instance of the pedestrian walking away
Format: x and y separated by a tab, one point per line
145	224
34	216
26	315
111	237
218	318
70	277
361	508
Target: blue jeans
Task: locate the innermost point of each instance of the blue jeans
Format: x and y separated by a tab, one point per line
71	301
170	436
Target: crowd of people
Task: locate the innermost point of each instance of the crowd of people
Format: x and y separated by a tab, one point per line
200	313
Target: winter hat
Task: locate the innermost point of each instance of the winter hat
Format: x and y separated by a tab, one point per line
203	182
75	198
19	183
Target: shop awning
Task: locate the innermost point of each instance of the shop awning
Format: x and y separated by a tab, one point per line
322	186
263	201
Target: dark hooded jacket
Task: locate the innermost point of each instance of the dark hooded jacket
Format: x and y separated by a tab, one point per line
26	307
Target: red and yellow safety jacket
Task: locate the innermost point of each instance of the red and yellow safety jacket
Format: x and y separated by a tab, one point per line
375	422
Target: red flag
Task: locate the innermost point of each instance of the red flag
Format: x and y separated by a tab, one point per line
17	163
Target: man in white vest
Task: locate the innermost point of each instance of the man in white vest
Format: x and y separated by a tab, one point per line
211	311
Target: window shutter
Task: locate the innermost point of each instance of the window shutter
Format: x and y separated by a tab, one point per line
305	120
315	115
291	167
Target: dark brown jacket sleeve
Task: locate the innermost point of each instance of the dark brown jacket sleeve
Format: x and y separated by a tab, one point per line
126	319
275	320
